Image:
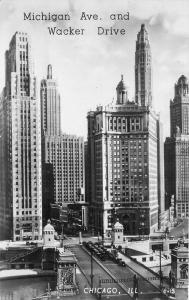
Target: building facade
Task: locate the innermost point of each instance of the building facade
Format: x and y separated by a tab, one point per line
179	266
143	69
21	188
50	105
64	152
177	150
125	156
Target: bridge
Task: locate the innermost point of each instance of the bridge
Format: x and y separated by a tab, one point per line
109	273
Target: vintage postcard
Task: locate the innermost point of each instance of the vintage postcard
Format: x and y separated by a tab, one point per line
94	149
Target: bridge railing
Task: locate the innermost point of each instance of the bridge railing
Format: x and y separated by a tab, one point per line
12	259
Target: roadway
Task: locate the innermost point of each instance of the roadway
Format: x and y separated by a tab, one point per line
84	262
180	229
146	289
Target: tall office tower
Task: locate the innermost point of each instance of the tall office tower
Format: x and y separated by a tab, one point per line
5	208
64	152
50	105
177	150
125	162
21	195
50	128
143	80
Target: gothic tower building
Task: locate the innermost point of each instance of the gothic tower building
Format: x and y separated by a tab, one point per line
177	150
143	70
21	192
125	156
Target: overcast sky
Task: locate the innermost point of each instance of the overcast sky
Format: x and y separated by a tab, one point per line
89	67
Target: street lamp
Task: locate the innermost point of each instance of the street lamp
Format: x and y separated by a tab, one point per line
160	270
57	294
92	275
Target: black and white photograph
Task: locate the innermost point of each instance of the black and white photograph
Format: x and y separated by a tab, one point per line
94	149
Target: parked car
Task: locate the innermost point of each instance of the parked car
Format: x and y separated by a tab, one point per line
118	261
123	264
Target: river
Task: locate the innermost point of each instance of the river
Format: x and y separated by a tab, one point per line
26	288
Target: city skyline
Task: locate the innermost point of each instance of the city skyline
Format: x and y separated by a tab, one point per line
103	61
94	149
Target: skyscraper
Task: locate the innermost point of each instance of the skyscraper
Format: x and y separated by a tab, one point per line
50	105
21	193
143	69
64	152
177	150
125	155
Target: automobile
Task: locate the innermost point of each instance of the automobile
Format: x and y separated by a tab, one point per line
86	245
156	237
102	257
123	264
94	250
100	250
135	239
111	256
32	243
118	261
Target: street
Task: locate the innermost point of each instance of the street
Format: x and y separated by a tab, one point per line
180	229
146	290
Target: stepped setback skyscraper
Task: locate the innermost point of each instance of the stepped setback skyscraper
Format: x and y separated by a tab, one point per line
65	153
50	105
125	155
20	175
177	150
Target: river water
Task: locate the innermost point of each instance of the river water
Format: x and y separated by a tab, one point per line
26	288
